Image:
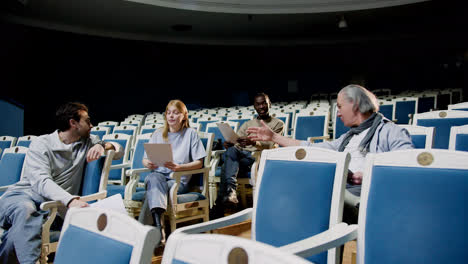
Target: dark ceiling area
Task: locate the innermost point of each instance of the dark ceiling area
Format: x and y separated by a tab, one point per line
419	46
130	20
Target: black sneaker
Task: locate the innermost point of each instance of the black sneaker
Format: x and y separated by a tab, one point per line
217	211
231	198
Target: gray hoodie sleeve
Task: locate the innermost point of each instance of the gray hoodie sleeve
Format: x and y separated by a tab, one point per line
333	145
119	150
39	175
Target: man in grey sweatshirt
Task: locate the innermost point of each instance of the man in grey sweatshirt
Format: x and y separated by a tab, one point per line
53	170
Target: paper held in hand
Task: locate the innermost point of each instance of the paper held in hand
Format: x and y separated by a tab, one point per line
228	133
158	153
114	202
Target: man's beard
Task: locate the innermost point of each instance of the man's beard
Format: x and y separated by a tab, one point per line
85	135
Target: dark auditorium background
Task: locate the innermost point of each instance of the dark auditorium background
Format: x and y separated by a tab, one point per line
42	68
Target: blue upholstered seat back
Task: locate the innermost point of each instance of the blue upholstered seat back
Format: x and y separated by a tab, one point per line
135	124
240	121
147	130
340	128
460	109
204	141
203	124
3	145
285	129
290	125
461	142
442	129
124	131
176	261
417	215
117	174
419	141
138	157
99	133
403	109
92	176
23	143
111	130
197	179
217	134
309	126
294	201
387	111
78	245
11	166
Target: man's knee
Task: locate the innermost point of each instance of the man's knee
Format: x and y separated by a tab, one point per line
26	209
232	153
155	180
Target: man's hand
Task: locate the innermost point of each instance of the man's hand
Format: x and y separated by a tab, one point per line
355	178
262	133
245	141
148	164
227	144
95	153
77	203
172	166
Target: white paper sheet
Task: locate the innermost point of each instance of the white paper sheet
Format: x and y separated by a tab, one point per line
114	202
228	133
159	153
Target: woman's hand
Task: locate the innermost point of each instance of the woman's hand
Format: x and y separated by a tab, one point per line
148	164
173	166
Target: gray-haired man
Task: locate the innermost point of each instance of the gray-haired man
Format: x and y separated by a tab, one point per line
370	132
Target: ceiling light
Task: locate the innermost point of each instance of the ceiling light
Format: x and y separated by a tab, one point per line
342	23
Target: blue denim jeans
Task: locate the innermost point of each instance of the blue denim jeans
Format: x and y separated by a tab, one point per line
22	220
235	161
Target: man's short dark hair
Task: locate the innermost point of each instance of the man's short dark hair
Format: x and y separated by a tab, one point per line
267	98
66	112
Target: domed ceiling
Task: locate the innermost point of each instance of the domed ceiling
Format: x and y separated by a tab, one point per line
229	22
